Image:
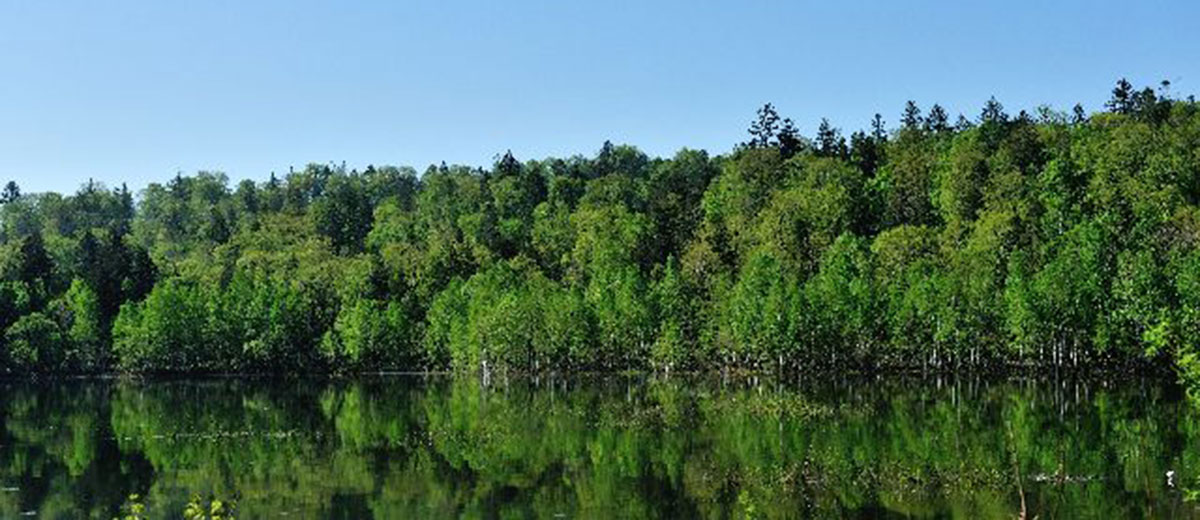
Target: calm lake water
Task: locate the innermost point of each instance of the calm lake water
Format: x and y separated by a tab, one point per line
420	447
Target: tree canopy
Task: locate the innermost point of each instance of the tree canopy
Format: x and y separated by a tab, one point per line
1039	239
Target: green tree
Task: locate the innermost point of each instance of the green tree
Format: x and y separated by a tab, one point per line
761	315
842	303
343	213
372	335
911	119
84	328
11	193
34	344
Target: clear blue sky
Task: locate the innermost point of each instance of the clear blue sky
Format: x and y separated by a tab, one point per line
136	91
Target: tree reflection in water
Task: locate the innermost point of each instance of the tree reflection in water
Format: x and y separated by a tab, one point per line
397	447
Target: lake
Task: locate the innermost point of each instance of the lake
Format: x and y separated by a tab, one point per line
601	447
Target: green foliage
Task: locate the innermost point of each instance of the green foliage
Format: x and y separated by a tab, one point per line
644	447
1015	240
762	313
84	328
215	509
14	302
343	213
1183	332
133	509
906	274
371	334
510	316
167	331
905	181
842	301
34	344
676	344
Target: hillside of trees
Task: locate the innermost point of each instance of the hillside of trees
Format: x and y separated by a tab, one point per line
1039	239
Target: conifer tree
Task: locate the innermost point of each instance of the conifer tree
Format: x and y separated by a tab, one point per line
912	116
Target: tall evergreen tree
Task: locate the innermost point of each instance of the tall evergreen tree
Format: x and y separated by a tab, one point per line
962	123
509	166
125	210
11	193
864	153
829	140
878	130
765	128
937	121
1121	101
1078	116
790	142
911	119
993	112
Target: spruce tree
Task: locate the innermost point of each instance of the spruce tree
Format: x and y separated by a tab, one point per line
912	116
937	120
993	112
1078	116
1121	101
790	142
11	193
763	131
878	131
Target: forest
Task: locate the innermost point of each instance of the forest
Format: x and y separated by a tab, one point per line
1040	240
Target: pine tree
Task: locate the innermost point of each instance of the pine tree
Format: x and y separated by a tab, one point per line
865	152
878	131
178	187
605	162
993	112
11	193
125	210
912	116
1121	101
962	123
509	166
937	120
829	140
790	142
763	131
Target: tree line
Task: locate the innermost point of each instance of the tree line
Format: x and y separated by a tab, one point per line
1043	239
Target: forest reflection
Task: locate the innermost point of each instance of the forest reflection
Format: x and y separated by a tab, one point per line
407	446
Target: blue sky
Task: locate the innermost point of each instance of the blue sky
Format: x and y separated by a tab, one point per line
136	91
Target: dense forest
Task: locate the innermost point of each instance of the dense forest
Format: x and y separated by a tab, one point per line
1040	239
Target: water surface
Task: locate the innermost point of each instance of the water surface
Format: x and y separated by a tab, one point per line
421	447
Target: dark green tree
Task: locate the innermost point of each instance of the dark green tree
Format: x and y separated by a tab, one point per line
911	118
763	131
1078	116
11	193
830	142
938	120
1121	101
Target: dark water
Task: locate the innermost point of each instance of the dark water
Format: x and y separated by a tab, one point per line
411	447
